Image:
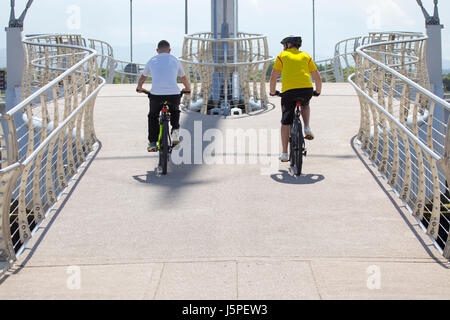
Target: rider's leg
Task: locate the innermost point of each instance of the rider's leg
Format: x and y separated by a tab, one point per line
174	108
287	106
153	118
285	132
306	114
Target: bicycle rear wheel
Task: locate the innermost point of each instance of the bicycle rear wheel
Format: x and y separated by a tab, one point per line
297	148
164	147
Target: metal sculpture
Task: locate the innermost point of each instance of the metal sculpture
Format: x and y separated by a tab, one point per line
15	55
434	49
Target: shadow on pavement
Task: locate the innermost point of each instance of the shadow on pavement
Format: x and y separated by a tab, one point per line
182	175
285	177
171	180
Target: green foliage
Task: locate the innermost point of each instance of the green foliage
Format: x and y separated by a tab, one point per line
446	80
269	71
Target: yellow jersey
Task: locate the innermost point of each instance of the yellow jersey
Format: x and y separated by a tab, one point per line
296	68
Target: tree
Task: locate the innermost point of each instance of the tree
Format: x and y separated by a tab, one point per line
446	81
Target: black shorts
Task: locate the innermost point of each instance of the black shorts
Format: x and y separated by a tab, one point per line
289	101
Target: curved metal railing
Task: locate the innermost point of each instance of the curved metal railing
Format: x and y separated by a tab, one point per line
105	58
241	63
47	137
404	127
338	68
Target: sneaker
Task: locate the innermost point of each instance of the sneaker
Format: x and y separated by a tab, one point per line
152	147
308	134
284	157
175	137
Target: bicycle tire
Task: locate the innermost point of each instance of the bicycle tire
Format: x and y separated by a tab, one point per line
297	148
301	149
164	147
292	145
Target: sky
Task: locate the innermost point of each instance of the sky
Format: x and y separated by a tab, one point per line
153	20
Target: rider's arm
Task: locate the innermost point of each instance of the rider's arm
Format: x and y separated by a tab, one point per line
141	83
273	81
186	83
317	80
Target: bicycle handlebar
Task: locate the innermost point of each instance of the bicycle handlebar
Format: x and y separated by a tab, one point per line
278	93
148	92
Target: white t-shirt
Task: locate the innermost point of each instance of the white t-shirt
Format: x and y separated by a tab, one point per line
164	69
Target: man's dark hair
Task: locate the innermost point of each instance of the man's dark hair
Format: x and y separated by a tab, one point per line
163	45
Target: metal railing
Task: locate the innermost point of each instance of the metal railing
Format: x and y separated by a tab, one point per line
404	127
232	68
128	72
338	68
105	58
47	137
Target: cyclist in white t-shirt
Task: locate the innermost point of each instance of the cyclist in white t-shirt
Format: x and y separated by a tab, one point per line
164	69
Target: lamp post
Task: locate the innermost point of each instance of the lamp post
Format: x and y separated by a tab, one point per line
314	30
186	17
131	30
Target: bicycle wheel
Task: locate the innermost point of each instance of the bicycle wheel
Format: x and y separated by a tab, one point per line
292	145
301	148
297	148
164	147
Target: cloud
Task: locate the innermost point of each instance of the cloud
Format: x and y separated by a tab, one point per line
387	14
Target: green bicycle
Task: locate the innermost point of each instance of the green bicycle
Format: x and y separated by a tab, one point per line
165	145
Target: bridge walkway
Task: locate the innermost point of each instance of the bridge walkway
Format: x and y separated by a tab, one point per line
228	231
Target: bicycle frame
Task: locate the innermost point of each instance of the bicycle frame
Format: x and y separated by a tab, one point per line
164	116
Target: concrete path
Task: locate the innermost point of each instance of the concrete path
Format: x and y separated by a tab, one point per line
229	231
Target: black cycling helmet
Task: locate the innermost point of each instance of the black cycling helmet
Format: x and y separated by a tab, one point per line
295	40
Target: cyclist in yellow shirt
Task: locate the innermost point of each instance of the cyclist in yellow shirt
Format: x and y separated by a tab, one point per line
296	68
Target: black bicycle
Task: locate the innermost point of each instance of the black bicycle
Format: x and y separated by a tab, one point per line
164	144
297	145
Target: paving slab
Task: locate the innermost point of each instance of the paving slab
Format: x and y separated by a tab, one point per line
291	280
105	282
198	281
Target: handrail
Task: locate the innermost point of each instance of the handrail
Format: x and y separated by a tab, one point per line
250	37
405	135
53	123
433	154
29	99
56	131
429	94
242	62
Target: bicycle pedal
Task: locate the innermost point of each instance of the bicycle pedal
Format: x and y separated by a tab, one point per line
293	172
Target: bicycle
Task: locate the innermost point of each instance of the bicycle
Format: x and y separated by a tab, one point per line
297	145
164	144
